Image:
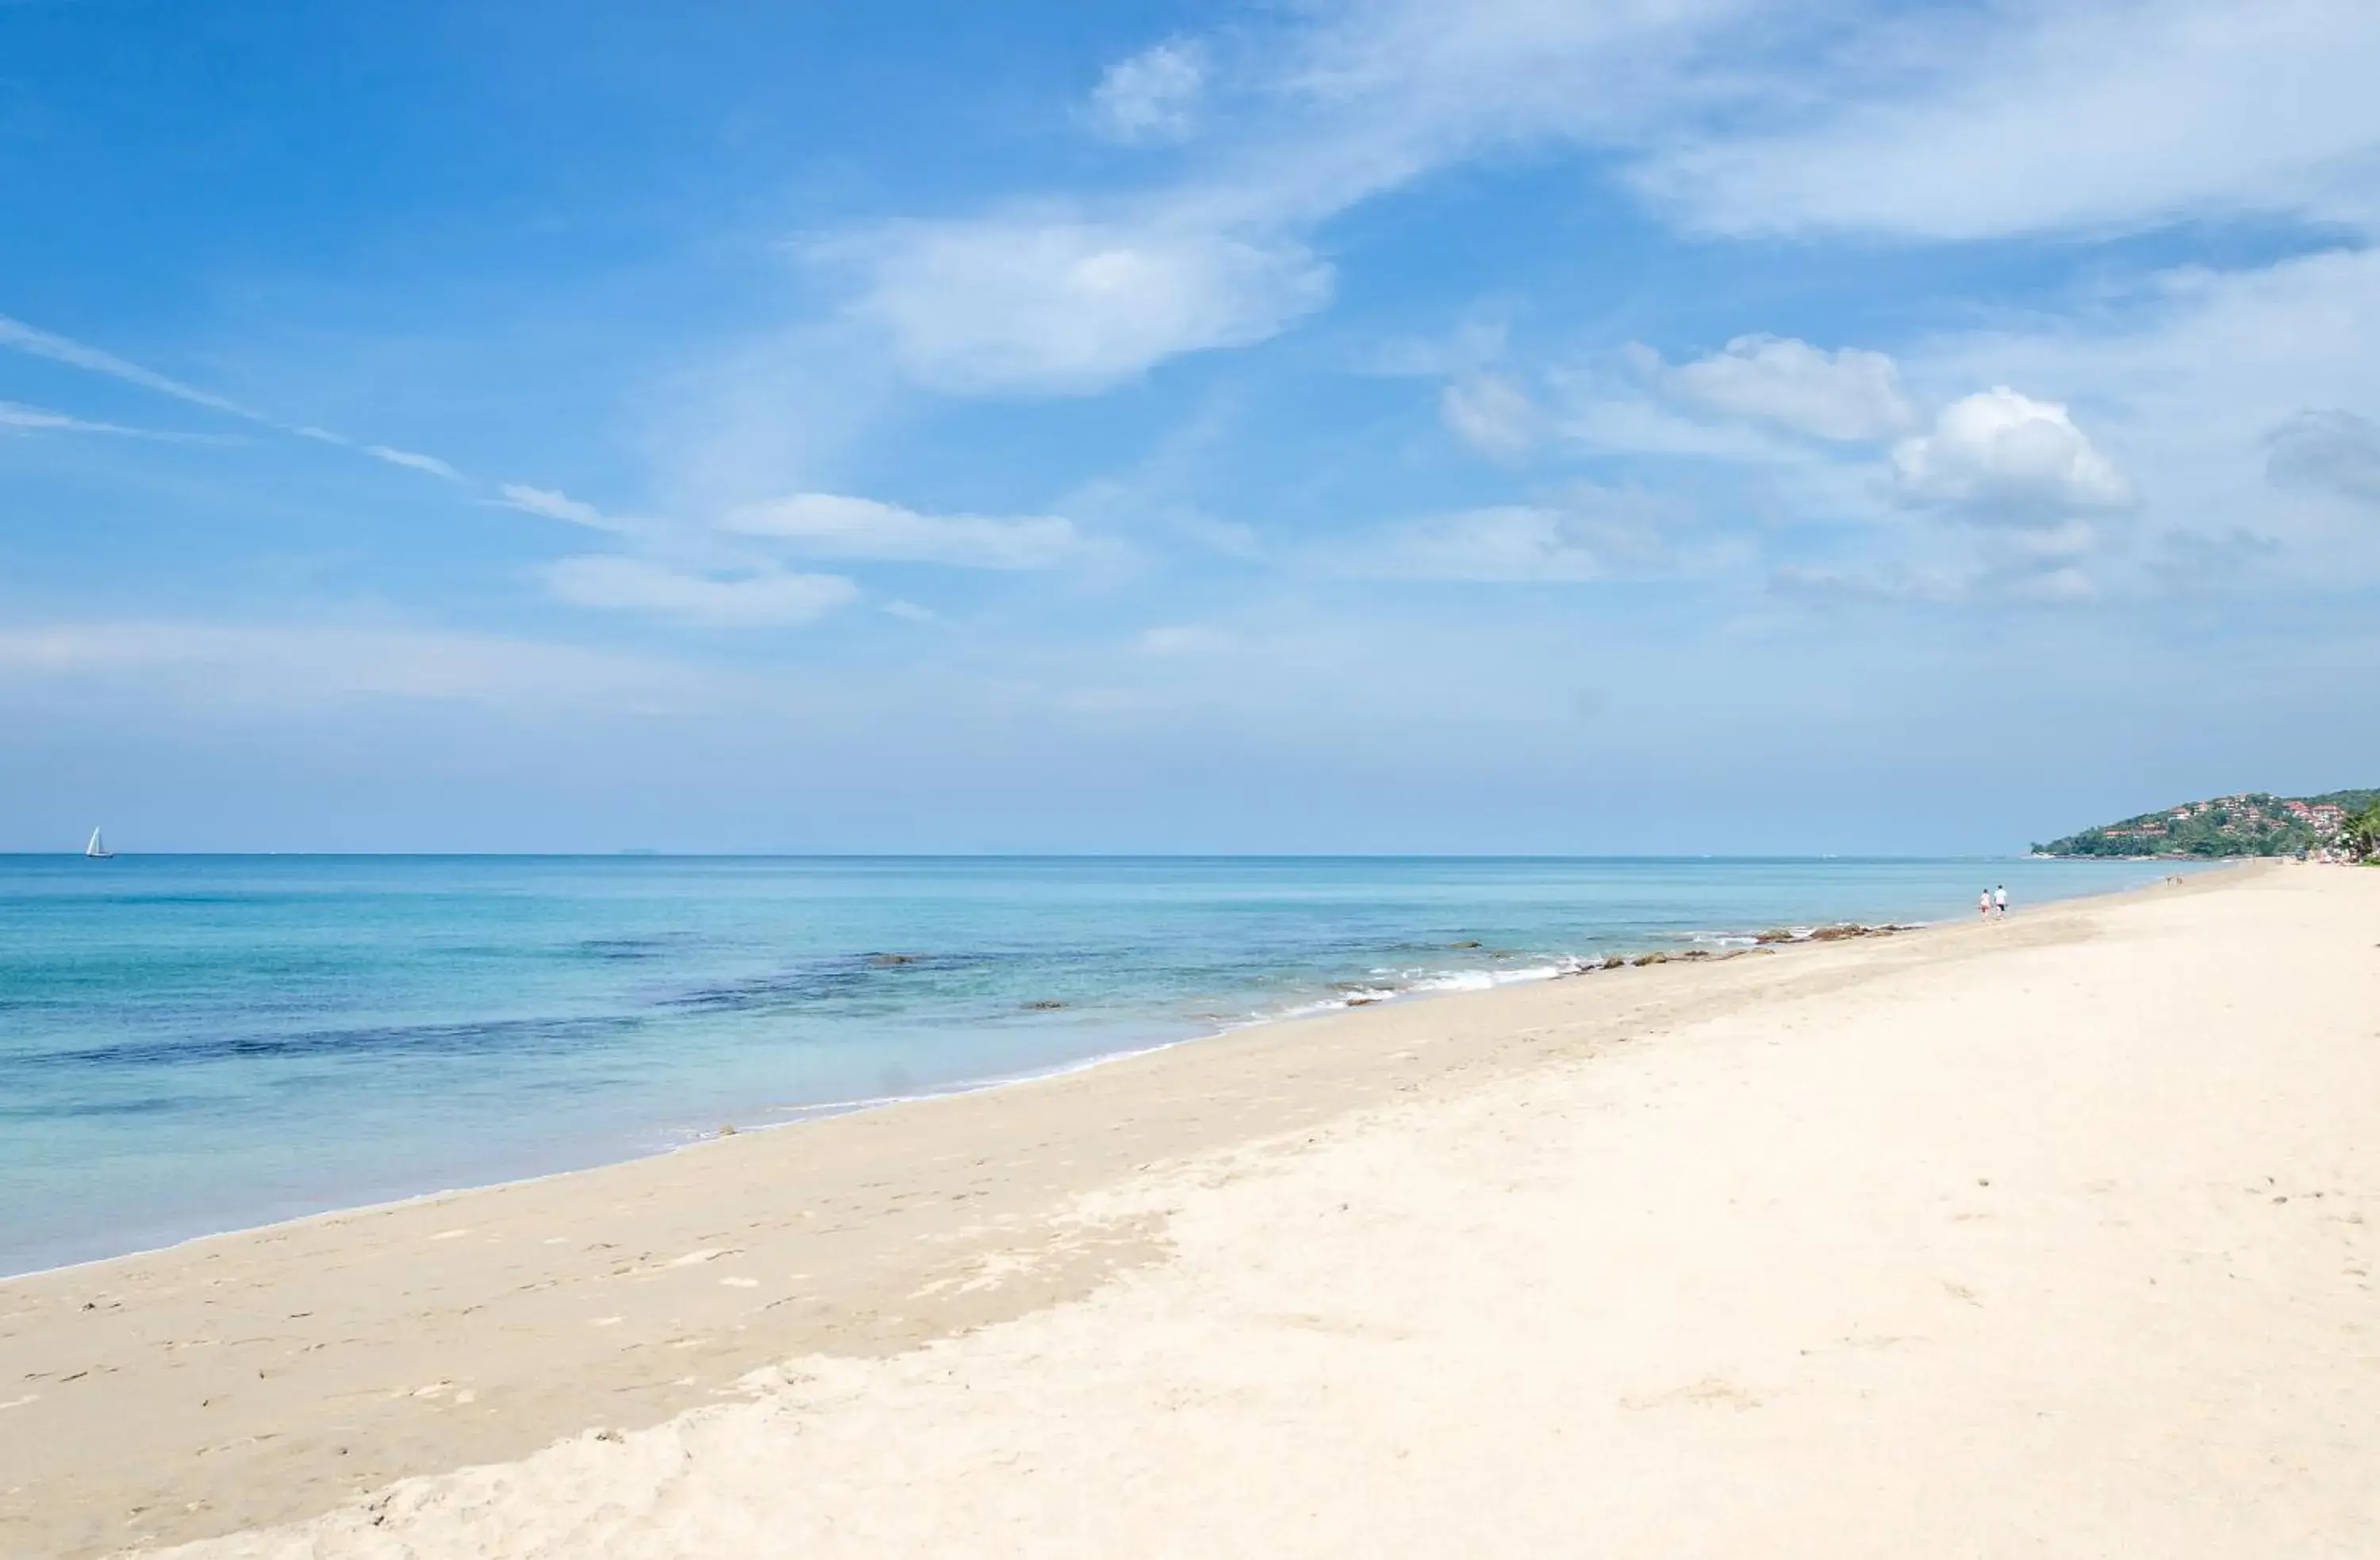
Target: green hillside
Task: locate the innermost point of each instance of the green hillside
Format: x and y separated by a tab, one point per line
2256	824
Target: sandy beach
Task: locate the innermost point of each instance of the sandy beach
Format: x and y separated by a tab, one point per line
2051	1237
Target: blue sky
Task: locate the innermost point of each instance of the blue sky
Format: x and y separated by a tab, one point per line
1655	425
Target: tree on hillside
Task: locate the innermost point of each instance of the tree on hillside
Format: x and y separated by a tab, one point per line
2361	836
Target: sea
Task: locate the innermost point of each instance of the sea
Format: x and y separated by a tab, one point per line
196	1043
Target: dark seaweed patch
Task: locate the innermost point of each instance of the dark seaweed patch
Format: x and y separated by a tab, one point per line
503	1034
154	1105
621	949
863	978
760	992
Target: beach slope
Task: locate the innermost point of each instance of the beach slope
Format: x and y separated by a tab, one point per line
2051	1237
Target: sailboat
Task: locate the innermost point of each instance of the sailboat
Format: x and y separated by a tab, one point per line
97	850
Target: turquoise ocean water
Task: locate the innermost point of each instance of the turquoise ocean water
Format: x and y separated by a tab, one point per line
197	1043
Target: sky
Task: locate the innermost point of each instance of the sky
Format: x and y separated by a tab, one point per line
1640	426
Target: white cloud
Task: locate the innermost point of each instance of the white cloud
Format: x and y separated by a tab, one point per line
1998	456
765	597
2197	388
1491	414
556	505
1152	96
1594	533
910	611
834	526
2043	116
1848	395
1059	306
414	461
1351	100
1346	102
2334	451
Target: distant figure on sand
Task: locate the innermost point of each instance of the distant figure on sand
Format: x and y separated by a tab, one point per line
1984	904
2000	898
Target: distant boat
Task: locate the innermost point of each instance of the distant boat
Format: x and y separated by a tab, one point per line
97	850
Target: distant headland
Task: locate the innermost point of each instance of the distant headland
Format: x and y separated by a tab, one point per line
2252	824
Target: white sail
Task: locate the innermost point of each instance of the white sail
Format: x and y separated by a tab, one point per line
97	850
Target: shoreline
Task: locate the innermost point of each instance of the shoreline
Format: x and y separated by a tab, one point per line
306	1364
829	1111
795	1116
1437	985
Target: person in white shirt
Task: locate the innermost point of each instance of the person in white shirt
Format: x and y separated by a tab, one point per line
2000	898
1984	904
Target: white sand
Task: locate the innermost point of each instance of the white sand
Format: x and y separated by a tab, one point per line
2047	1239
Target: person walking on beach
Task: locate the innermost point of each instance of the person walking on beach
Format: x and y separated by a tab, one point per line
1984	904
2000	899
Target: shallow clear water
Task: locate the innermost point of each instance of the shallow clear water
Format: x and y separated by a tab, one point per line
198	1044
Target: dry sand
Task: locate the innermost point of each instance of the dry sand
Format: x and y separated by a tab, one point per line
2045	1238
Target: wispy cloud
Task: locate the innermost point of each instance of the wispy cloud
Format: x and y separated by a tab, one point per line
1061	303
22	338
764	596
557	506
1492	414
725	574
1848	395
1734	116
1067	296
2023	118
415	461
1591	532
13	414
836	526
1153	95
17	335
